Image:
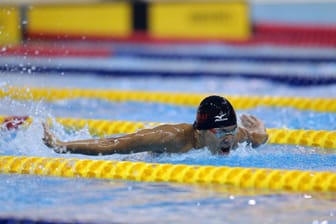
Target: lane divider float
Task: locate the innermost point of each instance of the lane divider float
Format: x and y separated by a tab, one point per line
273	179
183	99
311	138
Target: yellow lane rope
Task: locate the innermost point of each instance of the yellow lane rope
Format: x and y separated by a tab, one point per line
312	138
290	180
185	99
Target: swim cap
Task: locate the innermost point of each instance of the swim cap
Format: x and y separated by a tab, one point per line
215	112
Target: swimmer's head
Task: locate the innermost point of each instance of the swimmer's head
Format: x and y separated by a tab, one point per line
215	112
216	119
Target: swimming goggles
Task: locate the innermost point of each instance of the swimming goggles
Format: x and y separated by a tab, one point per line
220	132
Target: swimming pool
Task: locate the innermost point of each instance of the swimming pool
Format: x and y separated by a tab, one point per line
105	201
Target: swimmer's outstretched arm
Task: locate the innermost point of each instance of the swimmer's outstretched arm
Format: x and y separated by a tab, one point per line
252	131
159	139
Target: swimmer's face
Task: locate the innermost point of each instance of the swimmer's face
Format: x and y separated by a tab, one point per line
222	139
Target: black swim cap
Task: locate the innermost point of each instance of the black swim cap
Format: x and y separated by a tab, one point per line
215	112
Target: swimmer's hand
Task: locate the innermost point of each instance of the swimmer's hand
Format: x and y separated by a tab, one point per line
51	141
256	129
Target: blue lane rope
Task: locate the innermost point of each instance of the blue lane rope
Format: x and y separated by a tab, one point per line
37	221
222	57
289	79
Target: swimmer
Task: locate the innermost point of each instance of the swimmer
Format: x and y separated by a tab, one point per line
215	128
13	122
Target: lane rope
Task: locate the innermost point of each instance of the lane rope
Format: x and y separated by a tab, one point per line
288	180
183	99
235	54
312	138
292	79
255	57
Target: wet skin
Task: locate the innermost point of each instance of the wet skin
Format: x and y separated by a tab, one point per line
171	138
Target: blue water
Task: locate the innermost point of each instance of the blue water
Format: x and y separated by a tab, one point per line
106	201
270	156
102	201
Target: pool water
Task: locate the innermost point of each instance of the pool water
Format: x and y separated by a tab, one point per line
116	201
100	201
105	201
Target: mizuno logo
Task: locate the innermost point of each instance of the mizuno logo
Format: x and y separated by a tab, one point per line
221	117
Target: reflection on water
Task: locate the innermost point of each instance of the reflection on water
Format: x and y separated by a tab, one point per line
120	201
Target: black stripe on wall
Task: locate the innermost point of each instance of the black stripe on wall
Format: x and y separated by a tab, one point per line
140	19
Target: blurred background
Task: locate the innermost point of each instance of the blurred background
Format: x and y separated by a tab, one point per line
298	22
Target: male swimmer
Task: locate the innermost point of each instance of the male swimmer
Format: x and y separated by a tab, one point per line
13	122
215	128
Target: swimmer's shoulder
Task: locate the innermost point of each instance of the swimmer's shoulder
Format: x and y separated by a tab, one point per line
177	127
177	132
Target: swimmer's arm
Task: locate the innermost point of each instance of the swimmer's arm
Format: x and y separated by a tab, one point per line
252	131
154	140
103	146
